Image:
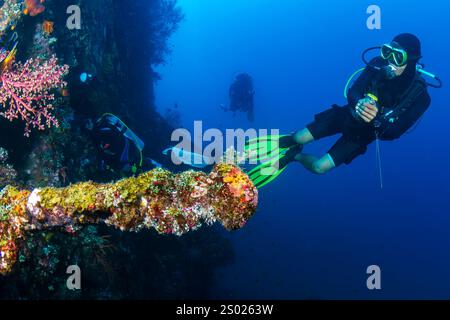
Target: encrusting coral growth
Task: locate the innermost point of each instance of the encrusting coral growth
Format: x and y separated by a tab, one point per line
158	199
7	172
10	12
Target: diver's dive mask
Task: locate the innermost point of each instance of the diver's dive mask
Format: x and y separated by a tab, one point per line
397	58
394	55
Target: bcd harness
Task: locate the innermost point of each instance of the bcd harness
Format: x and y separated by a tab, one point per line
405	101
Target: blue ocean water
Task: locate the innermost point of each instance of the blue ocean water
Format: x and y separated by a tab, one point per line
314	236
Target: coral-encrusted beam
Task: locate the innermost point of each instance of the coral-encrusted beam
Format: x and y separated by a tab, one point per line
158	199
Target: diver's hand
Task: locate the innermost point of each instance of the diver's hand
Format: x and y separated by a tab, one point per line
366	111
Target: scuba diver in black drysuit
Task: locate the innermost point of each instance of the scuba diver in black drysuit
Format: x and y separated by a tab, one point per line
241	95
388	98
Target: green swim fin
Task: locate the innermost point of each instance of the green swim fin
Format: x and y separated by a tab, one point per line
268	171
261	178
265	148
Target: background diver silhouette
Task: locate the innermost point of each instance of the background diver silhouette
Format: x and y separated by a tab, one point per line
386	100
241	94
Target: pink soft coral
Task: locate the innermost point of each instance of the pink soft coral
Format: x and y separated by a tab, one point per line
26	92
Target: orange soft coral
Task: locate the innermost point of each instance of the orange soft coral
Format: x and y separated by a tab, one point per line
34	7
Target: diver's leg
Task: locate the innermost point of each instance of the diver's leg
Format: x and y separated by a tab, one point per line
325	124
316	165
303	136
345	150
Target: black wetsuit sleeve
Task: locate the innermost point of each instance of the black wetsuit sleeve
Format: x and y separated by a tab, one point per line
362	84
407	119
359	88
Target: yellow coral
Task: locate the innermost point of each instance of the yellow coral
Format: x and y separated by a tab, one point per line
237	182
